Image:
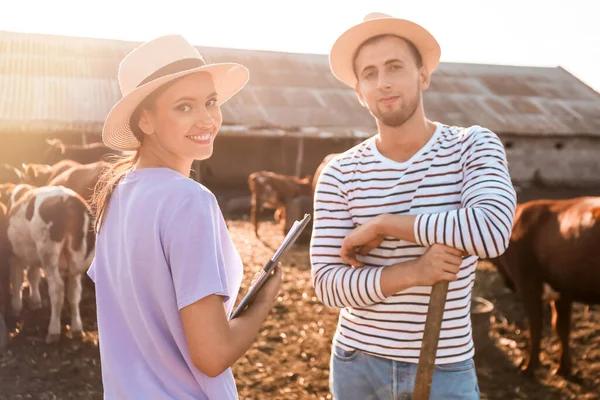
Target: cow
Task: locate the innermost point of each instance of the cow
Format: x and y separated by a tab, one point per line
325	161
50	228
10	193
81	178
554	255
83	154
5	253
272	190
10	174
6	190
42	174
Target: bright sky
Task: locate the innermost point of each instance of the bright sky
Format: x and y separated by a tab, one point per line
517	32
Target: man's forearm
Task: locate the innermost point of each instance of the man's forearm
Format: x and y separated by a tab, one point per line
398	277
401	227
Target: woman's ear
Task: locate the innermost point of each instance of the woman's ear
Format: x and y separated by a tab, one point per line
145	122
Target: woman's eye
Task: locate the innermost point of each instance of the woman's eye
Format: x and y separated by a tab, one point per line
211	102
184	107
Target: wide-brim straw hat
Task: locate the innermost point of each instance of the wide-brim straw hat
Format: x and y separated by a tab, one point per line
150	66
343	51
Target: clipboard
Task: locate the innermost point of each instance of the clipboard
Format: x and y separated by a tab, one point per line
265	274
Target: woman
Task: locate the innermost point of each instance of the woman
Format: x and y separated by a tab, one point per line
166	271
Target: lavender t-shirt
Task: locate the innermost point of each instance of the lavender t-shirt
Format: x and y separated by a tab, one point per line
163	246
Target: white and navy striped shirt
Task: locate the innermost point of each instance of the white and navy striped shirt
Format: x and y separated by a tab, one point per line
459	186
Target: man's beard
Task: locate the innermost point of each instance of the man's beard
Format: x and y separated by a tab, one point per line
400	116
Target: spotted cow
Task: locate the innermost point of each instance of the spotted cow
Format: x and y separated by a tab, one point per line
50	228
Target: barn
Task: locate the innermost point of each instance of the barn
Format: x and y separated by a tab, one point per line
294	112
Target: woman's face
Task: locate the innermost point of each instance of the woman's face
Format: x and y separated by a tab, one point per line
184	119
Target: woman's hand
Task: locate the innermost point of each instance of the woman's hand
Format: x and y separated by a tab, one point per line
270	289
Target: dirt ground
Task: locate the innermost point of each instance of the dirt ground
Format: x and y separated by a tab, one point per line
290	357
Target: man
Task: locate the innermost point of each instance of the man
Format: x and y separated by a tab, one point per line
428	201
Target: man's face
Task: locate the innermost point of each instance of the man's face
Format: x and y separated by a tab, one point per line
389	80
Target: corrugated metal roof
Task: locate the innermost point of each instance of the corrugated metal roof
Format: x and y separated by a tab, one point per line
71	83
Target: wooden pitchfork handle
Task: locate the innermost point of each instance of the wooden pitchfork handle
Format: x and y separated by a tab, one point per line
431	336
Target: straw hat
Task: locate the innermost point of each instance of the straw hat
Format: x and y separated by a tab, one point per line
344	49
150	66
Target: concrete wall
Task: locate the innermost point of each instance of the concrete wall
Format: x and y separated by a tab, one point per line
556	161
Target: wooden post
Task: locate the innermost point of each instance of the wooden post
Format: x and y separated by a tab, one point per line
299	156
431	336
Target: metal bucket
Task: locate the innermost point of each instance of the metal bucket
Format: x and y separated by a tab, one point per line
481	314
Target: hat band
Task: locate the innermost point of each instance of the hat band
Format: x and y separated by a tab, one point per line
173	68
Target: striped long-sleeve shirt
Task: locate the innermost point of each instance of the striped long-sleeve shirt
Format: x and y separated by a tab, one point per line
459	187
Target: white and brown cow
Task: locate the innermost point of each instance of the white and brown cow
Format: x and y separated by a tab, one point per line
50	228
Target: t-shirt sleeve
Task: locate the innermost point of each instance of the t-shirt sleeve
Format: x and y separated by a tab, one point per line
91	272
192	245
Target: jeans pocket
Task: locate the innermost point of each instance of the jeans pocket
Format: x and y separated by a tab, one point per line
344	355
460	366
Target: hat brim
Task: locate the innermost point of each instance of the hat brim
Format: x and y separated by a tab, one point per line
341	56
228	79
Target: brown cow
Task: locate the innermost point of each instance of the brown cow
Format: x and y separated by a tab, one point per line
50	228
272	190
325	161
554	249
10	174
83	154
6	190
42	174
81	178
10	193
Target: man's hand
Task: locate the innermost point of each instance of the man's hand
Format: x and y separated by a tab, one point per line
361	241
439	263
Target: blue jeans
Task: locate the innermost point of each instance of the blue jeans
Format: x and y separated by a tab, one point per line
355	375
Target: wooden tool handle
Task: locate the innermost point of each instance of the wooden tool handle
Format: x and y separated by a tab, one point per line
431	336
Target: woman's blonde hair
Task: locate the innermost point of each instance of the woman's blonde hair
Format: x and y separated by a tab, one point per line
111	177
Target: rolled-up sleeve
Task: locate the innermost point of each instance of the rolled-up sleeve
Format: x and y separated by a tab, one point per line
483	224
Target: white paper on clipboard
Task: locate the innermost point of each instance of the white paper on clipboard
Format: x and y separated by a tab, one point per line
288	241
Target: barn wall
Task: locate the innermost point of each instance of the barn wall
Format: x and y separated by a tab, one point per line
234	158
573	162
558	161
